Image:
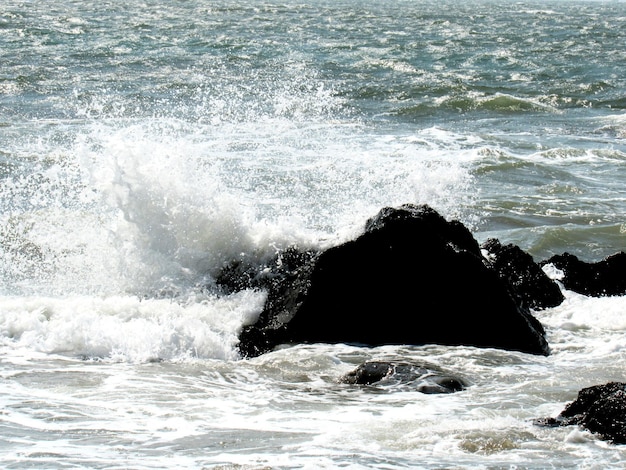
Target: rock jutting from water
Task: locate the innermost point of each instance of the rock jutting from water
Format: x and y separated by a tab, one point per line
601	409
603	278
528	282
411	277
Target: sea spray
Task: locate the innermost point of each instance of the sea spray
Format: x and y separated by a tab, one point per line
168	198
133	218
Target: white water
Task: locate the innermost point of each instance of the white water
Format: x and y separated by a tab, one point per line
286	409
141	148
119	352
114	253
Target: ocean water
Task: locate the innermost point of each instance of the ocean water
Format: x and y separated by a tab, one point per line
145	143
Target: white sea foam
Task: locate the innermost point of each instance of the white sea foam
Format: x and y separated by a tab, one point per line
601	313
128	328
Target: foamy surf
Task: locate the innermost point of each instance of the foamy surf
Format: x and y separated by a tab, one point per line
128	329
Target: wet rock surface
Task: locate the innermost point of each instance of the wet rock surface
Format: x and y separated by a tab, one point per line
601	409
419	377
606	277
527	280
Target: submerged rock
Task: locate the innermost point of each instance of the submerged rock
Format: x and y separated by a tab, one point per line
420	377
601	409
603	278
412	277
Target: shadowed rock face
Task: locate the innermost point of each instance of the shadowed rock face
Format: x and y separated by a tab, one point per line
603	278
526	279
600	409
391	375
412	277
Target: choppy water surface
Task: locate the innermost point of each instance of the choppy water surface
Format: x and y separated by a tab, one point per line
144	144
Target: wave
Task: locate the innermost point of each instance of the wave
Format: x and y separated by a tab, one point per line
112	229
127	328
114	206
499	103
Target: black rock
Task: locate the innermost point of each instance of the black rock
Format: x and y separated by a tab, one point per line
420	377
411	278
285	278
603	278
601	409
525	277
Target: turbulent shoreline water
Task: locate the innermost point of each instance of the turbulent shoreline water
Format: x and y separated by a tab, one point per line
144	144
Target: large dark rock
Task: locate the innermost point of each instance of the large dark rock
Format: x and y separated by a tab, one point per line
525	277
411	278
601	409
393	375
603	278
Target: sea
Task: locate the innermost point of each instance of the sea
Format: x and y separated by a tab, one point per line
145	144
